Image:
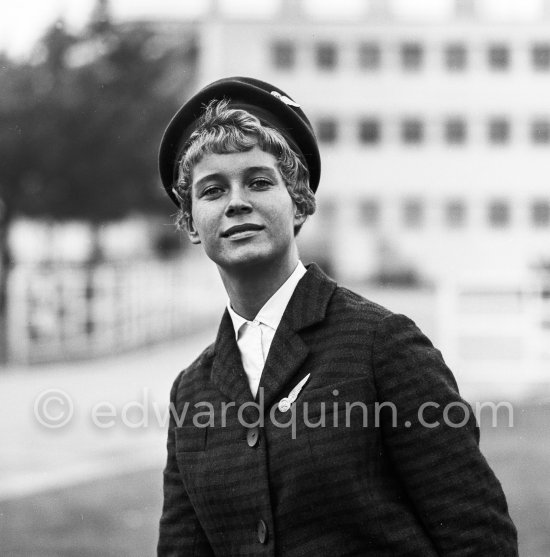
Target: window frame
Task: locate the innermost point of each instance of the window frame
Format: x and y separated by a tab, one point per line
494	135
455	208
324	62
324	124
540	208
540	131
499	57
459	124
412	55
452	51
413	212
499	214
540	56
370	212
410	135
370	55
278	58
372	136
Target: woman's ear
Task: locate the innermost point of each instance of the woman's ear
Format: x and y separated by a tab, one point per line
192	231
299	217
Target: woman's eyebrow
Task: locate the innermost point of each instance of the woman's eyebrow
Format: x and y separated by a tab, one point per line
205	179
267	169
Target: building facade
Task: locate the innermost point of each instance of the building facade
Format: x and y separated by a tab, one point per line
435	135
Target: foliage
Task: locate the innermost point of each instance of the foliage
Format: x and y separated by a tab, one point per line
81	122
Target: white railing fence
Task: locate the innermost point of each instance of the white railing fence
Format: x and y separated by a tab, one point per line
494	331
66	311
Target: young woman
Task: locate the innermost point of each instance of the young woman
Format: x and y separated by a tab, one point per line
318	423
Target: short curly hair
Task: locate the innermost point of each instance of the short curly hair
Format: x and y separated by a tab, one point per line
227	130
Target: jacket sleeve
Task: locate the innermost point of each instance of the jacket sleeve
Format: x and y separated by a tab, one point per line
432	440
180	533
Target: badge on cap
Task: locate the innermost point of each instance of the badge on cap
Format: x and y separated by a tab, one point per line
285	403
285	99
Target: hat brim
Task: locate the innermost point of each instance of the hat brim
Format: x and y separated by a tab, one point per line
257	97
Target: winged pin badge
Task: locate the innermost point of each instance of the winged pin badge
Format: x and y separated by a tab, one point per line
285	403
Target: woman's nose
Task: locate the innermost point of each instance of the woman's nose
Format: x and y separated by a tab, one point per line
237	203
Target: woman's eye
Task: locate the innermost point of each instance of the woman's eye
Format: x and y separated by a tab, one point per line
212	190
261	183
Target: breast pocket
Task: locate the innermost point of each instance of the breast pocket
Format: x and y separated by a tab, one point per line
350	398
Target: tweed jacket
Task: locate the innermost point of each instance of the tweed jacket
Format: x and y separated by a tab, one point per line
375	476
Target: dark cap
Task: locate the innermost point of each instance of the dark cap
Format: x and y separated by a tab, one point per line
272	106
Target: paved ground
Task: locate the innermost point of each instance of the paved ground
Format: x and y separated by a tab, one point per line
132	391
116	516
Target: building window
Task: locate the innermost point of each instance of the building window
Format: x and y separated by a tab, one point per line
499	131
370	212
369	131
327	130
541	56
499	57
369	56
411	56
413	213
284	55
455	57
327	56
455	213
412	131
540	131
499	214
540	213
455	131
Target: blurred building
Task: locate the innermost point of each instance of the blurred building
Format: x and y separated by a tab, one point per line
435	136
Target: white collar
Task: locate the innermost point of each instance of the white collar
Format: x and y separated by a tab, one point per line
272	311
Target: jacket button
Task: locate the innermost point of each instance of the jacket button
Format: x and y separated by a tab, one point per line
262	531
252	437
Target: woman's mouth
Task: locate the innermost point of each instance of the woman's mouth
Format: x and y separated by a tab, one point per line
242	231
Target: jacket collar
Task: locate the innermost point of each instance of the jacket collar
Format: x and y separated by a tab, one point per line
288	351
272	311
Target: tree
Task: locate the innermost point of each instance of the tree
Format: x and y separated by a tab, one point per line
80	125
18	169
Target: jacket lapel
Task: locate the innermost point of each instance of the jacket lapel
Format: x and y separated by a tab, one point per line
288	351
227	369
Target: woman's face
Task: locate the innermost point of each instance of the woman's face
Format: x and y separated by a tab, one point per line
242	212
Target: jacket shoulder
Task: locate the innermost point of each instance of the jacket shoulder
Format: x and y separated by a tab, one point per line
197	371
346	301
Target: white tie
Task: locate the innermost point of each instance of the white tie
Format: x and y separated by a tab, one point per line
252	353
